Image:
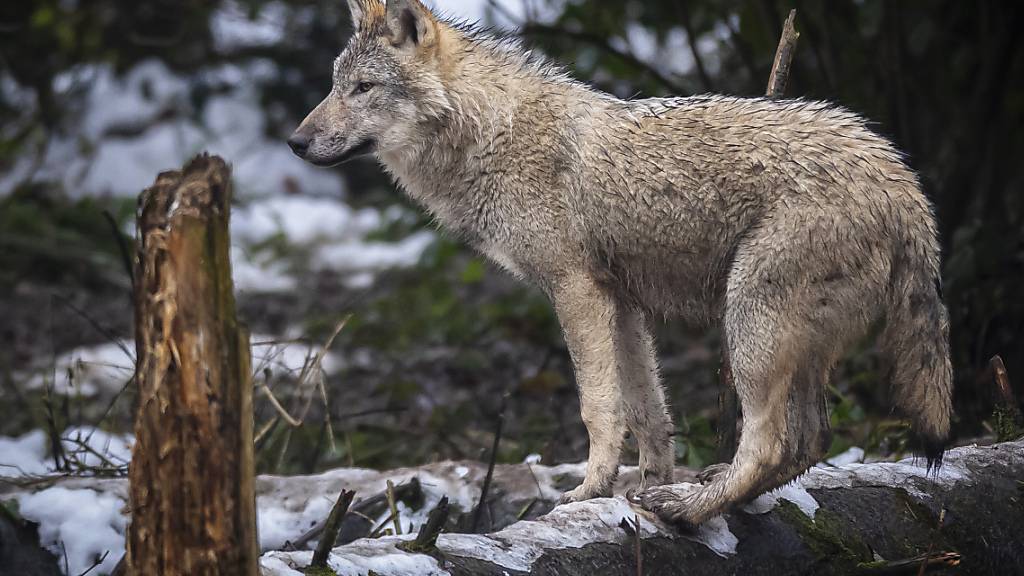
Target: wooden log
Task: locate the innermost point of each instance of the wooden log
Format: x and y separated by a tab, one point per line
191	476
863	520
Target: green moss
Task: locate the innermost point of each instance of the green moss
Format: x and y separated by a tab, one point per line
826	538
1006	427
318	571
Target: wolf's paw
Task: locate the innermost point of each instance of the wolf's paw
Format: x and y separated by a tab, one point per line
712	473
584	492
672	503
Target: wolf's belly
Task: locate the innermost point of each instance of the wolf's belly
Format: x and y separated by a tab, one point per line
667	281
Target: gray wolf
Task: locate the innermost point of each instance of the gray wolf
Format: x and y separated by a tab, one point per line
788	223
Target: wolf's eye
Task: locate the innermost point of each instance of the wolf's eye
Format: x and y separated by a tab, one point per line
363	87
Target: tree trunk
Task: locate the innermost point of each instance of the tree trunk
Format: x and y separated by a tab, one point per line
191	475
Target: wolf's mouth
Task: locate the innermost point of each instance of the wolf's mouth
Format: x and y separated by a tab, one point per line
365	147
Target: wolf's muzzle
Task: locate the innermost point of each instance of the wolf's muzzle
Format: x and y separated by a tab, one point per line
299	142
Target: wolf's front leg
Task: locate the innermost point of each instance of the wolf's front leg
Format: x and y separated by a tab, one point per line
588	317
644	399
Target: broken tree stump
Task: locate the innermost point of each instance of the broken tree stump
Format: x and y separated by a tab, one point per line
191	477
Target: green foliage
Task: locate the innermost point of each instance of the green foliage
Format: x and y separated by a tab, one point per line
441	302
46	237
695	442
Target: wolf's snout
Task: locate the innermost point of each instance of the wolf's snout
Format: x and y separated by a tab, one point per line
299	142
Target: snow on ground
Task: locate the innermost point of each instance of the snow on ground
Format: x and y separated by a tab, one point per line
86	517
80	523
335	233
24	455
567	526
289	506
379	555
289	356
89	370
29	454
104	369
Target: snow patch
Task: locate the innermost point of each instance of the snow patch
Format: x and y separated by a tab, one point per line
81	523
302	219
288	356
518	546
908	474
253	272
793	492
90	370
715	534
24	455
363	256
850	456
234	27
29	454
289	506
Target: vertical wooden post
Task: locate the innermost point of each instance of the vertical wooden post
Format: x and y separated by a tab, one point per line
779	75
191	476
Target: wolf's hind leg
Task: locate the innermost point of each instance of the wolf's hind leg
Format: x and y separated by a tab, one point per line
644	398
784	417
588	315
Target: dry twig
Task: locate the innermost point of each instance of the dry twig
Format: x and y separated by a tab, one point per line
490	465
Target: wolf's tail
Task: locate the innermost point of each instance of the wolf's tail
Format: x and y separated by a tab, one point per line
916	341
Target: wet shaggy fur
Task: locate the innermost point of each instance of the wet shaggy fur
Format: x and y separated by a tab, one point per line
788	223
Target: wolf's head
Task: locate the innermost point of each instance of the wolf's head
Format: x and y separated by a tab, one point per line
387	85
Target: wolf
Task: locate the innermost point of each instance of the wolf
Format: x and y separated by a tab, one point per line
786	222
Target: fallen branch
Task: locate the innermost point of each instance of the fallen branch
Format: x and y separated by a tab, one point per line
331	527
426	538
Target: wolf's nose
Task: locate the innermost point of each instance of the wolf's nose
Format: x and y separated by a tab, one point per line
299	143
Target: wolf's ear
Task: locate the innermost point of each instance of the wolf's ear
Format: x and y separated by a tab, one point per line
364	9
410	23
358	11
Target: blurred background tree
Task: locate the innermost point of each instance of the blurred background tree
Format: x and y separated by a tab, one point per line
941	78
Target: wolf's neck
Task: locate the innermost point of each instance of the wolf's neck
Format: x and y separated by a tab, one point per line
464	161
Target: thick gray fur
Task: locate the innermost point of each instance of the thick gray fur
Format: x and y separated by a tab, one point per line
788	223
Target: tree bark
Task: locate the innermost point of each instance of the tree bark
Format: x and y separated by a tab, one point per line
191	476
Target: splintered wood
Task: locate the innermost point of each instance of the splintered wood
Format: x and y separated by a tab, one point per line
191	475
